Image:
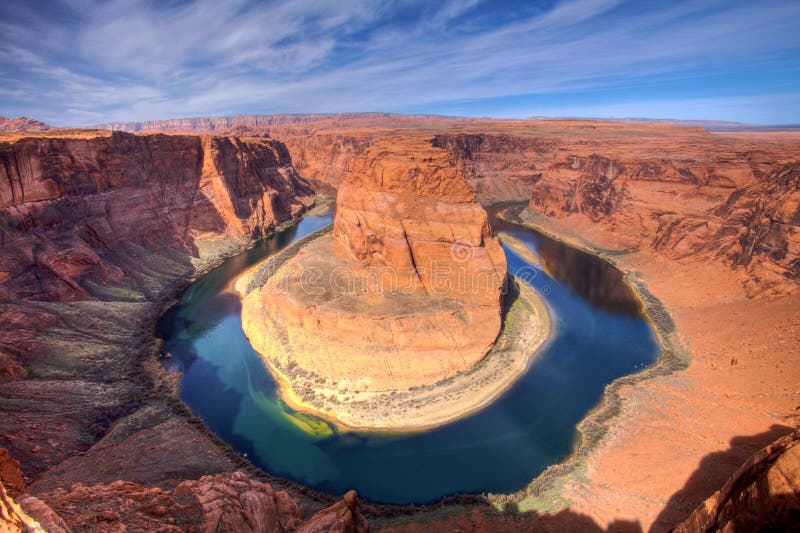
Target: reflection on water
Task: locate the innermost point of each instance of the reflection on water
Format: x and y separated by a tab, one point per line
592	277
598	338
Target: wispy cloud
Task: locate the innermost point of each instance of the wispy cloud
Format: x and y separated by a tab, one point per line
81	61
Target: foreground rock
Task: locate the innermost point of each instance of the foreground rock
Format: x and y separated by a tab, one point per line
763	494
19	511
406	293
343	517
220	503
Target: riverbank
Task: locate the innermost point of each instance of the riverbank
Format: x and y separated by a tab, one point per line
527	327
644	453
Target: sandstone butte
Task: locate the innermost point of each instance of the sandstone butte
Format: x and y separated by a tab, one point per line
405	293
703	219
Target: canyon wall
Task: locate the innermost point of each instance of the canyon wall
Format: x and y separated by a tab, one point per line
323	146
762	495
97	232
222	502
684	193
76	215
499	166
325	158
744	213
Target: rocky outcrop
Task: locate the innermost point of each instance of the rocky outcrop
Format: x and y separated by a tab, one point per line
499	166
687	213
23	125
412	269
10	474
219	503
760	229
222	502
96	231
342	516
763	494
20	511
75	214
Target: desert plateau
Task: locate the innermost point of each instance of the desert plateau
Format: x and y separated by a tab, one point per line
505	303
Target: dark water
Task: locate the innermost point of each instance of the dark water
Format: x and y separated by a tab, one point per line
599	337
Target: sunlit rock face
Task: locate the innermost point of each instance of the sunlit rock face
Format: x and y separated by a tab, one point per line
76	213
406	208
407	290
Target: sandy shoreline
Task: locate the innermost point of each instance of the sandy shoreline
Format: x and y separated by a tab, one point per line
526	330
663	440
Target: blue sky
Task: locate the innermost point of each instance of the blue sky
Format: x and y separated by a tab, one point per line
77	62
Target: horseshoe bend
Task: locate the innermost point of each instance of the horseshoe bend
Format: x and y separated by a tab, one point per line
377	323
409	308
509	303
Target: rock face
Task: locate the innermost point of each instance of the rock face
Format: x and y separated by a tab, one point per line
342	516
686	212
229	502
223	502
75	213
499	166
763	494
95	231
405	207
407	291
761	229
18	510
325	159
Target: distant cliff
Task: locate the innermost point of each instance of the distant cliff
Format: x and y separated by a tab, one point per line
323	146
22	124
216	124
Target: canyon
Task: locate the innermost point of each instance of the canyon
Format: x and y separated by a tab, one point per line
100	230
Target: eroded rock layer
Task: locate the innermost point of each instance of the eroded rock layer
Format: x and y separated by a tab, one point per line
97	232
222	502
407	291
406	207
76	213
687	211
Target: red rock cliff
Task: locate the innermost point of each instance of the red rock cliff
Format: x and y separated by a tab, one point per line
406	206
76	213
